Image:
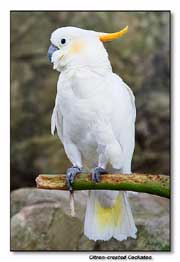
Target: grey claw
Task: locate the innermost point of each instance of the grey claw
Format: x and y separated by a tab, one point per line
96	174
70	176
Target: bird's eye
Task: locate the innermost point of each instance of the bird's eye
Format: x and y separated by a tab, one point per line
63	41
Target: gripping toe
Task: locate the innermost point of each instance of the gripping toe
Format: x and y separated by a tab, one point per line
70	176
96	174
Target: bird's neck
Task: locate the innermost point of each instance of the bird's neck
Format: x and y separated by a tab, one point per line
98	64
84	82
90	68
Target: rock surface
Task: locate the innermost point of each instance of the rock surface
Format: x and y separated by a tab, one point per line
40	220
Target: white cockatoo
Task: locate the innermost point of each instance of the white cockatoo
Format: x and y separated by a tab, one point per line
94	115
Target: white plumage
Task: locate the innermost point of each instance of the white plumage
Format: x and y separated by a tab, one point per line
94	115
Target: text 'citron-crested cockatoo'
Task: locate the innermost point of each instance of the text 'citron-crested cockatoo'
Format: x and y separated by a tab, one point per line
94	115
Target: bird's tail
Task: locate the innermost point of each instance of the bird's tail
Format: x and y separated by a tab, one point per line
108	214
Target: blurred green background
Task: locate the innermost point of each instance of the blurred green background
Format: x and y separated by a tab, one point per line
141	58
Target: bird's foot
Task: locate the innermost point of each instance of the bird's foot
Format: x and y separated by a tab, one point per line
70	176
96	173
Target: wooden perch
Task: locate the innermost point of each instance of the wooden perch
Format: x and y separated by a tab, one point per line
146	183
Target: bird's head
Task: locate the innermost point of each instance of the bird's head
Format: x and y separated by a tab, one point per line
73	47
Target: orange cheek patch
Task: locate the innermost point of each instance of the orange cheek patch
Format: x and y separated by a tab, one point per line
77	47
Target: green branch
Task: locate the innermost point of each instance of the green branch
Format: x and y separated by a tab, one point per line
146	183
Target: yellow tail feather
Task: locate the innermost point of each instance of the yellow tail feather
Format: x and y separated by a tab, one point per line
109	216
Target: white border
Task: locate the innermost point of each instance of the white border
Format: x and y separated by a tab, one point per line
8	5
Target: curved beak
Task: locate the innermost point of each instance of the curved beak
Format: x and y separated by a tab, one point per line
105	37
51	50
